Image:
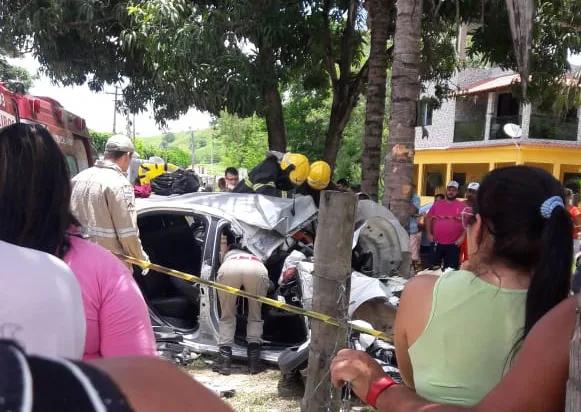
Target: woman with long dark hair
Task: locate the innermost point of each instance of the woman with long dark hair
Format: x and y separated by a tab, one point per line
457	335
35	192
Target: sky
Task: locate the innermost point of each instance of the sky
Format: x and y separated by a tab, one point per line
97	108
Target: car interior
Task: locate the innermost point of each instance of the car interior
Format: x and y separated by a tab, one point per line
177	242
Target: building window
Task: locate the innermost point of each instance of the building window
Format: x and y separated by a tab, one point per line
425	112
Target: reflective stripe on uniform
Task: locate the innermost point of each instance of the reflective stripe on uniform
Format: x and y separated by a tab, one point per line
257	186
101	232
112	233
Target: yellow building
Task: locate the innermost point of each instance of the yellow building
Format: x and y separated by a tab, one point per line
464	138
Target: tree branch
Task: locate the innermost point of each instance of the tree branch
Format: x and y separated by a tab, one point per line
347	41
328	49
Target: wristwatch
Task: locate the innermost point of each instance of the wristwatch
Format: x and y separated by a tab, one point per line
377	388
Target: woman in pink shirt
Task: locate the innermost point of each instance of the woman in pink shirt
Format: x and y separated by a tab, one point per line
38	179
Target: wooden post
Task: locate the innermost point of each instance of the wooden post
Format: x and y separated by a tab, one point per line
331	286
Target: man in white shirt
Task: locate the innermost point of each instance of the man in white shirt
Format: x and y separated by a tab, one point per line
41	306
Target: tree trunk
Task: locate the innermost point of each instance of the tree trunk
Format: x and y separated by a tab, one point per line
345	96
272	109
405	90
347	85
274	119
378	19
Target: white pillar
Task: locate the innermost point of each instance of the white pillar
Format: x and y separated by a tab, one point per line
526	110
490	112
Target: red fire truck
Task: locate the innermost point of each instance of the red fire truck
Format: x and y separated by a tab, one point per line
69	131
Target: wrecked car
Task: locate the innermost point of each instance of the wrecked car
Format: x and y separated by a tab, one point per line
185	233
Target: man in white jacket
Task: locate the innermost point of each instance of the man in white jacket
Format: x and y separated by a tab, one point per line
103	200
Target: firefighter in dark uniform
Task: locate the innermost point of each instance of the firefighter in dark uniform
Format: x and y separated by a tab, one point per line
277	175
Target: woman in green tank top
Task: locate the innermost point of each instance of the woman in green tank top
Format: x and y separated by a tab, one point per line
456	335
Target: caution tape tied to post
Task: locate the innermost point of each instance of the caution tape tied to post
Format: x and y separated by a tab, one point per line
267	301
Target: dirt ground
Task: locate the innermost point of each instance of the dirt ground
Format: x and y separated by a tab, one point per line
257	393
265	392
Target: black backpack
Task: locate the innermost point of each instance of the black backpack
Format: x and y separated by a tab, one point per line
175	183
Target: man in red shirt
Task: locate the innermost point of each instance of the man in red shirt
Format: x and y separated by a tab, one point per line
444	229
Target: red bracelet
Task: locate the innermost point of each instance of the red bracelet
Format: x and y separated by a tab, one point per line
377	388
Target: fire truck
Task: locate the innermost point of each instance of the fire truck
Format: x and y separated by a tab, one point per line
68	130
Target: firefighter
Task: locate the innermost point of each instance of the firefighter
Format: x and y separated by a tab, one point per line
276	175
103	201
319	179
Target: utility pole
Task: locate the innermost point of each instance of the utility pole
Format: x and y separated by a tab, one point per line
331	287
193	148
115	109
133	127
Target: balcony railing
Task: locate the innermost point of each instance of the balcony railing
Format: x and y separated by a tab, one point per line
497	124
552	128
469	131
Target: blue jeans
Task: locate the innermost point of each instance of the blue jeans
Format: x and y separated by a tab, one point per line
444	256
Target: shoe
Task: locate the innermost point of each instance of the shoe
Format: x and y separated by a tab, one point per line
255	365
224	361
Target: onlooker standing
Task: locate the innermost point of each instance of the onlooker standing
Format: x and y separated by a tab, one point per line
425	244
221	184
103	201
232	178
471	192
415	234
117	319
343	185
576	216
444	229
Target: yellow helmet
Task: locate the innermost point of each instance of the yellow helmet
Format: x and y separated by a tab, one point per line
301	170
320	175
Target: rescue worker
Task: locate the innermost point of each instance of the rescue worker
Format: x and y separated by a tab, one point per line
240	268
103	201
276	175
319	179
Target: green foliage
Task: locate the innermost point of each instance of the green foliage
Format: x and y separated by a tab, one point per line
244	141
99	140
307	117
173	155
10	74
169	137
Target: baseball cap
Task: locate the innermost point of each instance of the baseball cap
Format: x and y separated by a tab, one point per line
473	186
119	143
453	184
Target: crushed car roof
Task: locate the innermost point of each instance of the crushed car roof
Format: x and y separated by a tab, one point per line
265	221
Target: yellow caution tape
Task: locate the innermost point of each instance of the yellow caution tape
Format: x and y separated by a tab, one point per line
267	301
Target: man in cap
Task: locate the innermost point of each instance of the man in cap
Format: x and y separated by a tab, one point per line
471	192
103	200
444	229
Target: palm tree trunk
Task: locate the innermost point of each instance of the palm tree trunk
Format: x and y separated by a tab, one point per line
405	90
378	20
